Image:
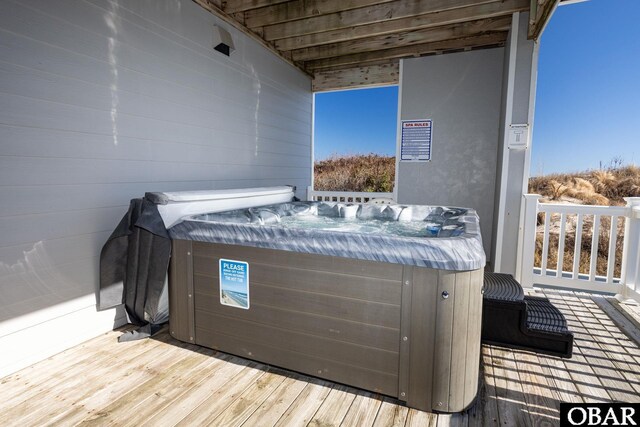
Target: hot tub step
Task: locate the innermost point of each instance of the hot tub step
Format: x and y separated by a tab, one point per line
544	316
527	323
502	287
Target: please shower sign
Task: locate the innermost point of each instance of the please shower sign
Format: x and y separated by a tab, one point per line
234	283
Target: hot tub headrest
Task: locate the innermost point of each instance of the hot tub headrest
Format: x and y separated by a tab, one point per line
174	206
167	197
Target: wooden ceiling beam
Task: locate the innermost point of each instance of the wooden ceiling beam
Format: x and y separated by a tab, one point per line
541	11
362	16
429	20
235	6
300	9
364	58
369	76
407	38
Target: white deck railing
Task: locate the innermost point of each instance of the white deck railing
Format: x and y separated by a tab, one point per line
598	225
347	196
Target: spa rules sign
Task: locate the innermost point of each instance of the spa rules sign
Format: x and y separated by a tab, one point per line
415	143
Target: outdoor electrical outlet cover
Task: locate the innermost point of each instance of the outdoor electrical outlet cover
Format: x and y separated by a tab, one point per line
518	136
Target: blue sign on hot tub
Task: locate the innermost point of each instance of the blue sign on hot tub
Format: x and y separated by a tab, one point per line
234	283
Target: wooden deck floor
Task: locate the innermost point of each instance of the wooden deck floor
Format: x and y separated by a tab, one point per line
163	382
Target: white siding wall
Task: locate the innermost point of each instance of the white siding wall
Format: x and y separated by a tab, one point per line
100	101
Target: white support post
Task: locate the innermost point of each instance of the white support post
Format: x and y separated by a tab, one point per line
631	251
527	245
513	174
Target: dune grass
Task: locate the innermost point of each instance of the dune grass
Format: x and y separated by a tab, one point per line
594	187
363	172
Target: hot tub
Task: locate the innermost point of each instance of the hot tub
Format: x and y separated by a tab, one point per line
382	297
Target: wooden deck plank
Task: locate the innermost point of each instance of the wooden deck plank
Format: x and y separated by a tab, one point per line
618	351
207	411
454	420
249	401
162	381
107	403
485	410
191	398
143	401
421	419
587	382
173	392
541	401
631	308
32	402
627	347
509	393
272	409
391	414
363	410
53	370
305	406
334	408
623	322
96	395
613	380
564	384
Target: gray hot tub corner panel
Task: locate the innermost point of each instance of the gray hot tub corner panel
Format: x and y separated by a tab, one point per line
421	337
474	333
405	334
181	301
457	340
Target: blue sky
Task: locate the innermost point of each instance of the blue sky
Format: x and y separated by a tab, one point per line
587	105
588	97
356	122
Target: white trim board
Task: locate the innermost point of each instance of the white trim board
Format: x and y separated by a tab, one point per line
504	172
398	130
44	338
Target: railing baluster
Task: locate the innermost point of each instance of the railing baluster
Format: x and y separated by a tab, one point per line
594	247
545	244
346	196
613	236
577	251
526	253
560	267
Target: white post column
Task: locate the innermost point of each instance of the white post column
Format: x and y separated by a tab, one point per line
631	251
513	170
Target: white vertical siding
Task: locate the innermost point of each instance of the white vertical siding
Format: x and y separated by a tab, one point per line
102	100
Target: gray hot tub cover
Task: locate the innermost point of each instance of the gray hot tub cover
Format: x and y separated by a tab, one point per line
458	245
133	269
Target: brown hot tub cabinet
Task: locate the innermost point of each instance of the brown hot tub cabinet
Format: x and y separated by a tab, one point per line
405	331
